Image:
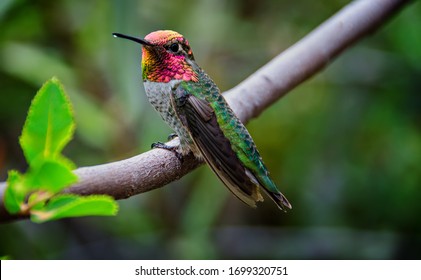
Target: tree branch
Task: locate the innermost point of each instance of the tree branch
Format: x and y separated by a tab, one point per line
156	168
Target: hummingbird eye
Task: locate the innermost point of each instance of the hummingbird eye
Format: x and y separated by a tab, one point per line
174	47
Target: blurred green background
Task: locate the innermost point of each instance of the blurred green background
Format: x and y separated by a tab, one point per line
345	147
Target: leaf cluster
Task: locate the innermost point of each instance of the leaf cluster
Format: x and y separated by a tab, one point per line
48	128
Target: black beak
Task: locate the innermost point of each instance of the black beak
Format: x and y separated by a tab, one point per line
137	40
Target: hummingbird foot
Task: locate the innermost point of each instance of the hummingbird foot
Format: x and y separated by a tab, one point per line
174	149
172	136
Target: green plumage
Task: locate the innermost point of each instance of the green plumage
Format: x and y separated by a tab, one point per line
229	129
191	104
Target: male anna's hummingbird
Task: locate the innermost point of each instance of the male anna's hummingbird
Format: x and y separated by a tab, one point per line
191	104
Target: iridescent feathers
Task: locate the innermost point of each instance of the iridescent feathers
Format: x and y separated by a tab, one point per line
191	104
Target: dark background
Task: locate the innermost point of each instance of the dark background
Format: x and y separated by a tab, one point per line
345	147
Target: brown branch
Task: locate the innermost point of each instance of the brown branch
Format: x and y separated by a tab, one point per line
156	168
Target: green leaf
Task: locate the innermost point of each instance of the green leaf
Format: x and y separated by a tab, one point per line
49	125
48	128
15	192
51	176
69	205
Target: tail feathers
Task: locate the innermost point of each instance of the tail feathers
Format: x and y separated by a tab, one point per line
280	200
270	189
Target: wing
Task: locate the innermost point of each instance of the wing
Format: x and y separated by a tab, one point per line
200	120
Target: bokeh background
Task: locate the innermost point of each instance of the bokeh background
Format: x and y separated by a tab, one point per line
345	146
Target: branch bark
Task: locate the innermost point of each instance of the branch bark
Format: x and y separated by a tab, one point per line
156	168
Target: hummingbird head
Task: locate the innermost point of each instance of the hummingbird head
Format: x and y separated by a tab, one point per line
166	56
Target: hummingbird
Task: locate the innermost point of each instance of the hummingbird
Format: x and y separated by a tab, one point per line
190	102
